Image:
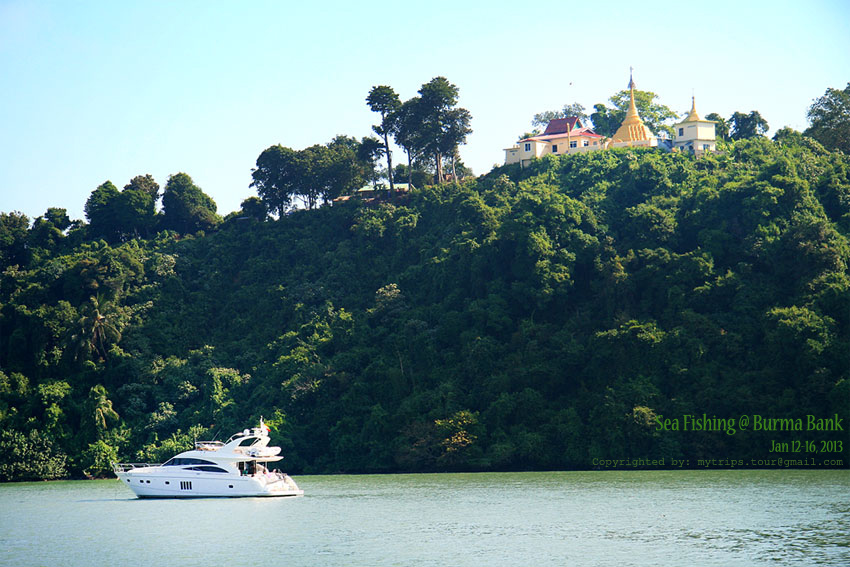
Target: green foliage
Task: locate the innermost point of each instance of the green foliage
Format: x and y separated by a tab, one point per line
101	212
532	318
721	128
315	174
29	457
746	126
186	209
118	215
829	117
13	239
136	207
255	208
98	458
432	125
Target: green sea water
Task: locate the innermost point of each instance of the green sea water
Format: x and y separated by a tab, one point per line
776	517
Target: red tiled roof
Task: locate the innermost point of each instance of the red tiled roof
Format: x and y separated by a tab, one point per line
560	125
583	132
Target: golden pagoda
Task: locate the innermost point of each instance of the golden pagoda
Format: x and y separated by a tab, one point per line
633	132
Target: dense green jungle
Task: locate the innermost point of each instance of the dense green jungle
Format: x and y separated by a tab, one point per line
536	318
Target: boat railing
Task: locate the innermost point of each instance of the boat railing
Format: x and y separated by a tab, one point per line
124	467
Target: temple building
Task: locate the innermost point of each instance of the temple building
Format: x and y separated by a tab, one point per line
694	134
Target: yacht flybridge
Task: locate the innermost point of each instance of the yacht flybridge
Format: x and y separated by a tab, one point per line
214	468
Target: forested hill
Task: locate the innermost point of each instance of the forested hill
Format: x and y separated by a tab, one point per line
530	319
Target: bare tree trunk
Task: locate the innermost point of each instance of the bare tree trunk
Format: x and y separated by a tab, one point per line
438	159
409	170
454	173
389	164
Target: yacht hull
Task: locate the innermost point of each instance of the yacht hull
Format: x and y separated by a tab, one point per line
214	469
154	484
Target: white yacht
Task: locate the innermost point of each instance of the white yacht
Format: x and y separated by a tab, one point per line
213	468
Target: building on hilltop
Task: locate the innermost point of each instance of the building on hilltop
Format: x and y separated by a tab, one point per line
569	135
694	134
562	136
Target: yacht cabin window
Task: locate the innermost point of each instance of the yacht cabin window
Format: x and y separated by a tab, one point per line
179	462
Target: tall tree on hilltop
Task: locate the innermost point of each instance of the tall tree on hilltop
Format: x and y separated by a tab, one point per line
385	101
276	178
145	183
315	174
137	206
721	129
746	126
186	208
58	218
48	230
455	133
101	212
119	215
442	126
370	151
829	117
346	171
312	163
406	133
13	239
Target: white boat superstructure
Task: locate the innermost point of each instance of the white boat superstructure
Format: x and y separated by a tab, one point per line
233	468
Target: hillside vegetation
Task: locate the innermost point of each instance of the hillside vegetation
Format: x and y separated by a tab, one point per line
534	318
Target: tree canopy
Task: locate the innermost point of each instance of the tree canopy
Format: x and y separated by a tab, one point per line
721	128
315	174
441	125
384	100
185	207
829	119
745	126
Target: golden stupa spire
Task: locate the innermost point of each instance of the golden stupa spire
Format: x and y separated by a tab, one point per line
632	116
632	129
692	116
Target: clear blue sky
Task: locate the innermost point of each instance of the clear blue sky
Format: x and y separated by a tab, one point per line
91	91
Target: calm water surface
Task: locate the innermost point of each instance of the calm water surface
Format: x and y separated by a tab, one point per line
586	518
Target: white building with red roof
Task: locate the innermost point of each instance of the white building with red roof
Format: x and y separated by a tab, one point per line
562	136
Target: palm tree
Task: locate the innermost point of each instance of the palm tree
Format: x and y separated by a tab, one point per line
100	410
96	329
